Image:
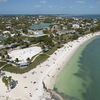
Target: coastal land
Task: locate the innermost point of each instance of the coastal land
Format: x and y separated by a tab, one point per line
30	84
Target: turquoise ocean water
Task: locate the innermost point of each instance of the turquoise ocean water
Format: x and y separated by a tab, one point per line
40	26
80	78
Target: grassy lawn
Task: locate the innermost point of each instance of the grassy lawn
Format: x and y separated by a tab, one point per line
52	50
2	63
41	58
33	57
11	68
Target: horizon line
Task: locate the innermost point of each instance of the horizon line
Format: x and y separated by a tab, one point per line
49	14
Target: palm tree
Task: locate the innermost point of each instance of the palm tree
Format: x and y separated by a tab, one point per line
7	85
28	60
7	57
17	60
3	57
5	52
9	79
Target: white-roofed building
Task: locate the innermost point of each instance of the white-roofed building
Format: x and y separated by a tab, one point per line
38	32
4	32
23	54
75	26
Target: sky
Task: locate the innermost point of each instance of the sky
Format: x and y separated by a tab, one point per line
49	6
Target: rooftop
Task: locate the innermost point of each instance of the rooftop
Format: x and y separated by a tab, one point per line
23	54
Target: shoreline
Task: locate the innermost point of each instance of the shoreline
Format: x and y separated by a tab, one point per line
45	73
67	57
68	69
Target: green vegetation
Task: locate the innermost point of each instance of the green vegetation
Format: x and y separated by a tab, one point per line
43	39
16	39
2	63
6	80
48	20
17	60
41	58
28	60
9	82
53	49
55	36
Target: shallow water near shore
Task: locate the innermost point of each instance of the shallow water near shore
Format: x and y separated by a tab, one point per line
79	79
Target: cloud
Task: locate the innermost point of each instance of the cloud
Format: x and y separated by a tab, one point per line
80	2
38	6
3	0
43	2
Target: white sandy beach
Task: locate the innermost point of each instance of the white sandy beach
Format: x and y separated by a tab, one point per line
30	85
